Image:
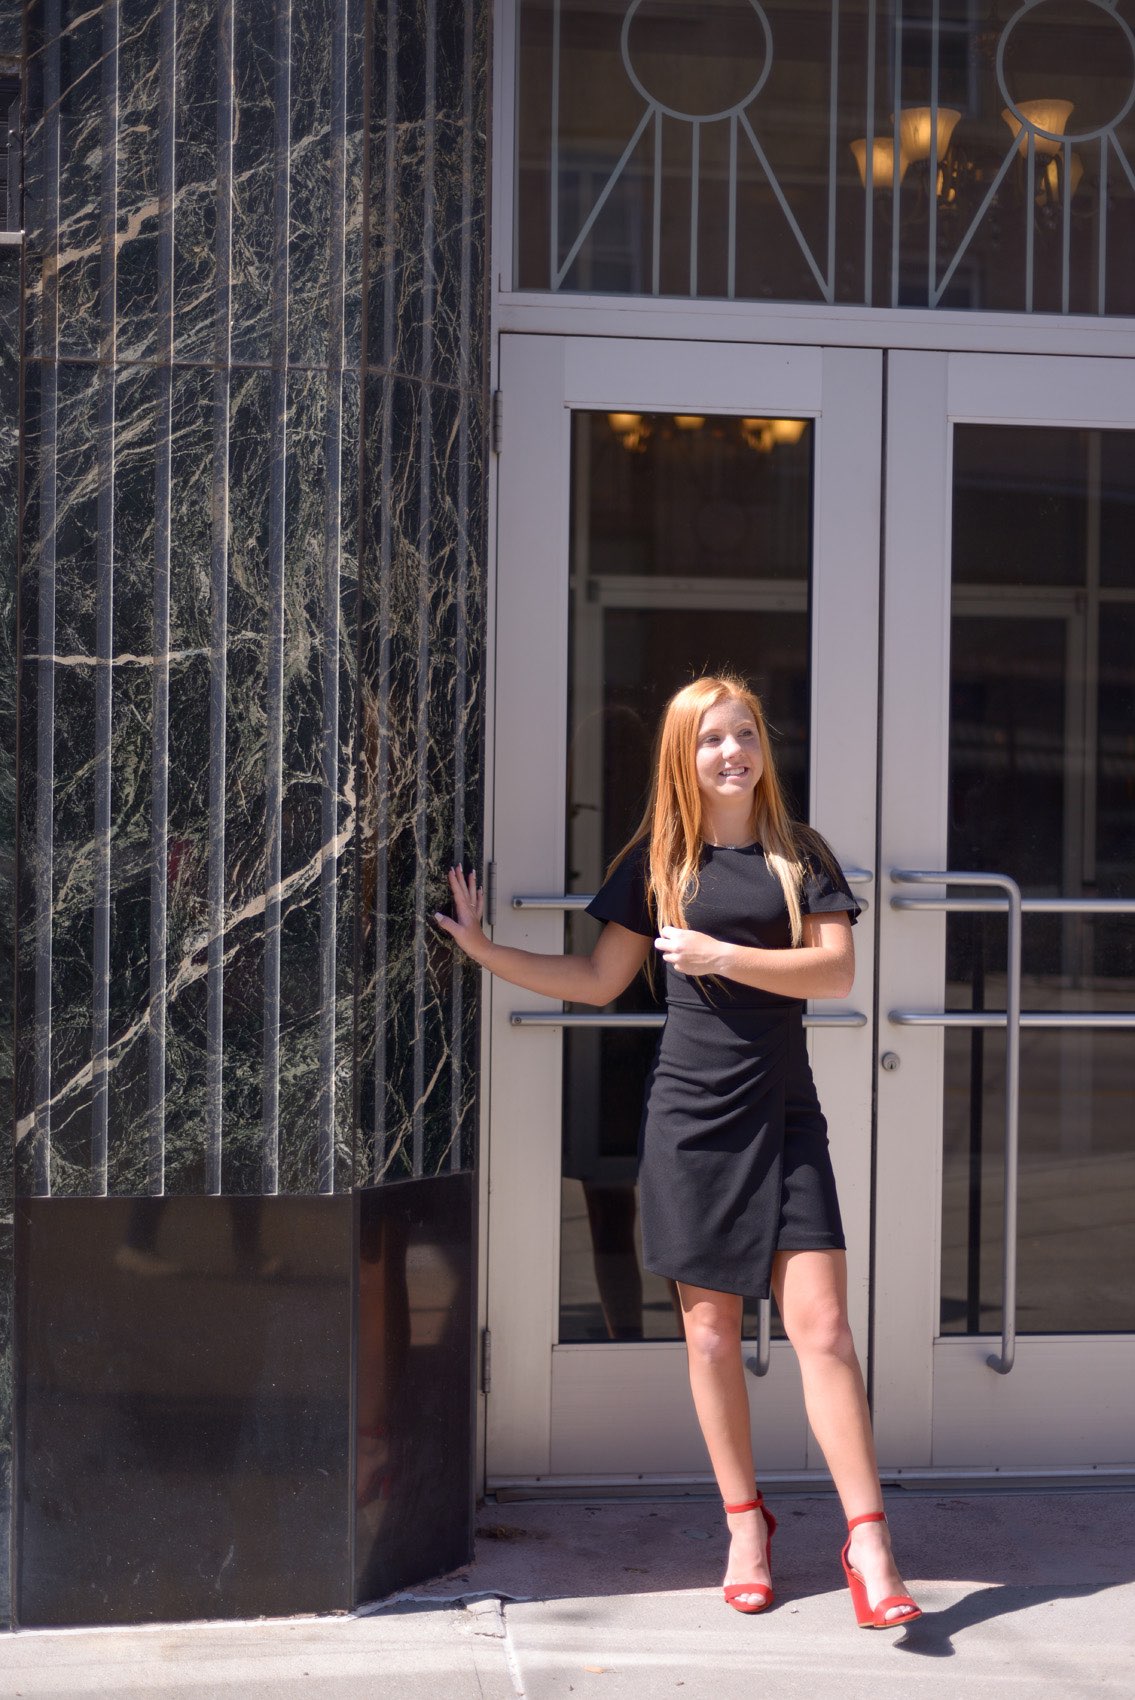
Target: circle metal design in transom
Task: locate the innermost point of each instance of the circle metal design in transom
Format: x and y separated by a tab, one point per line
698	117
1069	136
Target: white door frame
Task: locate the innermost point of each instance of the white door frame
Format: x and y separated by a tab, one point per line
578	1411
1068	1400
916	509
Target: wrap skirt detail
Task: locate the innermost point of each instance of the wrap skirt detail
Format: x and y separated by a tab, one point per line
734	1160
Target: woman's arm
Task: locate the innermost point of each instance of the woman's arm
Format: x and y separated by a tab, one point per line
594	979
822	967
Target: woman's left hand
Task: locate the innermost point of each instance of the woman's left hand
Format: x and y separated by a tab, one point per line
691	953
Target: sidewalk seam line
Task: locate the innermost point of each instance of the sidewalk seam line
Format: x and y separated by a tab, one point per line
510	1656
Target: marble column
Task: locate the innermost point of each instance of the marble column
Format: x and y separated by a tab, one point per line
9	509
251	602
252	596
11	62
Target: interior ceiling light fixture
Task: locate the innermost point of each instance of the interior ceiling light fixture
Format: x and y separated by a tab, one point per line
631	429
1048	115
1042	121
1049	183
763	435
915	126
882	163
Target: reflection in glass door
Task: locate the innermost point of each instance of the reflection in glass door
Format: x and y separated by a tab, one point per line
1007	751
691	549
1042	787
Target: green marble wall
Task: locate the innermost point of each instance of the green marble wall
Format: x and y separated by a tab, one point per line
251	602
9	508
11	46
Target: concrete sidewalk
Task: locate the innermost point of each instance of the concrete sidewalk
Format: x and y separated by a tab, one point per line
1027	1595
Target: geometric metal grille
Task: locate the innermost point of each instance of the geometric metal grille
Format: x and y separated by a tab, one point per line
872	151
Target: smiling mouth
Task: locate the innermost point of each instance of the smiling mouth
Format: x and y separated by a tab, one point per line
732	772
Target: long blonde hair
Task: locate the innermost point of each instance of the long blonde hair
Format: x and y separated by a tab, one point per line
672	825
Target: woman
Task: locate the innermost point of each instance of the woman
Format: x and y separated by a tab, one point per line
751	915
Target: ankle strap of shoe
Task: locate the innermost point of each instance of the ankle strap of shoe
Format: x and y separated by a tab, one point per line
749	1505
867	1517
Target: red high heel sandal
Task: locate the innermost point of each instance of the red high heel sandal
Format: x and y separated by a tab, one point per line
867	1616
734	1589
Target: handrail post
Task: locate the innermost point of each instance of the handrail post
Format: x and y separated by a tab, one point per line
1004	1363
758	1364
1001	1362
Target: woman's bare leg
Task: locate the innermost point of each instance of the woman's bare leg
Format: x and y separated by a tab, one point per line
717	1381
810	1288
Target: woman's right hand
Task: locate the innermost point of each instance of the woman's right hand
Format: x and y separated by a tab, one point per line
464	926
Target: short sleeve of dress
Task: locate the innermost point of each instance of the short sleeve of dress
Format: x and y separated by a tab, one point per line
622	898
823	894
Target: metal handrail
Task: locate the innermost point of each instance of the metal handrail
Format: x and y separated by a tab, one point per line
561	1018
759	1362
1029	905
1052	1020
575	901
1012	1021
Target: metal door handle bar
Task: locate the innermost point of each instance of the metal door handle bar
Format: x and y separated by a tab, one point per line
1051	1019
1011	1019
1047	1018
1029	905
577	900
561	1018
759	1362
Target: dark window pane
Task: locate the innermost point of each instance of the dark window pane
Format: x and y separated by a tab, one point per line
690	554
1042	787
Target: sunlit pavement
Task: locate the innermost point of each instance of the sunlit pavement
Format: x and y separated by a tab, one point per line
1025	1594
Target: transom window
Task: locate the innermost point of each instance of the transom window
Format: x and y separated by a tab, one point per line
882	152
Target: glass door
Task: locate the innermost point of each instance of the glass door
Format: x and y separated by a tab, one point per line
664	509
1006	1103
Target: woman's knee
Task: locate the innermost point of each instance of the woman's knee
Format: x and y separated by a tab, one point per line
713	1336
821	1330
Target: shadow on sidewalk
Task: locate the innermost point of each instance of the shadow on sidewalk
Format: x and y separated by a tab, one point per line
998	1549
931	1636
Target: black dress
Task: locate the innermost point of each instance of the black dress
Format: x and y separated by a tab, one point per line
733	1146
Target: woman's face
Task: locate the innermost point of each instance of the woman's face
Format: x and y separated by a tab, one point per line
729	760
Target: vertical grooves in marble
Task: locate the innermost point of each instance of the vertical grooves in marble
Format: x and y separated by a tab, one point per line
159	827
332	542
48	346
425	563
461	640
104	606
385	574
382	759
214	939
362	1156
218	604
277	496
